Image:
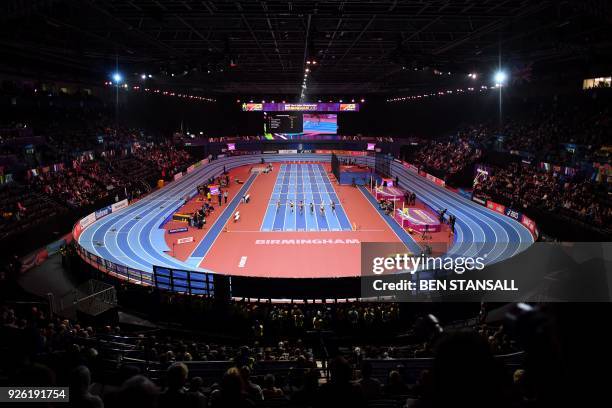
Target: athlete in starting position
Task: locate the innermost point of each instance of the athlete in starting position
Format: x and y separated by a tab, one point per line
301	207
322	209
291	205
277	205
311	207
333	206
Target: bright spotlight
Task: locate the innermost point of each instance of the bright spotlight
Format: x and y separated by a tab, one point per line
117	78
500	77
143	76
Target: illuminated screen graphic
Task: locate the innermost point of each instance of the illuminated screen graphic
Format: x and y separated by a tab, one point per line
320	124
298	125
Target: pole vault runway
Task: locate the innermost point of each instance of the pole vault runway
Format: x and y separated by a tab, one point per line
275	242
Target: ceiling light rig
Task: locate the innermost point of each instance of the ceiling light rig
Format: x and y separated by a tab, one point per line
445	92
170	93
310	65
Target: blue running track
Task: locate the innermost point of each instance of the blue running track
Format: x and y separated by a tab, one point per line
307	183
134	237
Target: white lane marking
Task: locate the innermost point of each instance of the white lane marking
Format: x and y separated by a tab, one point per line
242	262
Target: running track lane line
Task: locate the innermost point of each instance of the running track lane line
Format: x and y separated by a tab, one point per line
401	233
209	239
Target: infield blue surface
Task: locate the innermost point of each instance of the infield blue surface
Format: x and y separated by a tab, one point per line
307	183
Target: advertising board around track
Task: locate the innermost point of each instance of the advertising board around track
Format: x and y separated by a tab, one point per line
500	208
103	212
530	224
436	180
87	221
513	214
120	205
479	200
342	152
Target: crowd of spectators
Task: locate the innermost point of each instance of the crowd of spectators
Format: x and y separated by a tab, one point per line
78	156
521	186
22	208
265	319
72	186
448	157
44	350
84	182
167	159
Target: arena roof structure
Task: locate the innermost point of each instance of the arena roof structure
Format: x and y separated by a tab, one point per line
263	47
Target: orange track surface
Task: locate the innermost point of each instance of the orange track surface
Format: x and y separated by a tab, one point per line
237	252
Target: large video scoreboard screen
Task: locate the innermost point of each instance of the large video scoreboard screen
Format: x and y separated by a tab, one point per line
300	125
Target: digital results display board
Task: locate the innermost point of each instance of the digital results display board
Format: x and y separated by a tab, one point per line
300	120
300	125
290	122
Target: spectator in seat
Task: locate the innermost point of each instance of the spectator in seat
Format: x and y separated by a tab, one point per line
231	393
370	387
270	390
340	391
80	380
137	391
252	390
176	395
306	395
465	373
396	385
